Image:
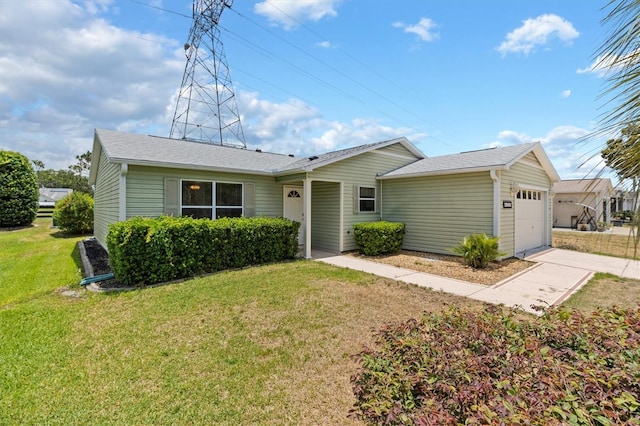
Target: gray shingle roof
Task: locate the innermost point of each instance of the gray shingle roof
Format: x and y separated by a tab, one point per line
464	162
138	149
131	148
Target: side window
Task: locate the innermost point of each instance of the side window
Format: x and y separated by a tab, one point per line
366	199
197	199
228	200
211	200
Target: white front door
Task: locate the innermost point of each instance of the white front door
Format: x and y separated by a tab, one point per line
294	207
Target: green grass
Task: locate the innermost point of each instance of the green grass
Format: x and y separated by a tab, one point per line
35	260
264	345
605	290
595	242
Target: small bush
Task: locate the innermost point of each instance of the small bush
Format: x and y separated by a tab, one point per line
18	190
74	213
478	250
464	367
144	251
374	238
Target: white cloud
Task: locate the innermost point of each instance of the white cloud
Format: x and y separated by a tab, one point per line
606	65
565	93
293	127
538	32
573	155
325	44
79	72
424	29
290	14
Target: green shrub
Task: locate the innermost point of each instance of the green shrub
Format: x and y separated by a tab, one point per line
374	238
464	367
144	251
18	190
74	213
478	250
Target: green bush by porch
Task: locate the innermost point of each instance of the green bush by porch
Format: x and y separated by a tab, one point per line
144	251
374	238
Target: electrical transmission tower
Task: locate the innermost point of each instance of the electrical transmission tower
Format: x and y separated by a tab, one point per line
206	109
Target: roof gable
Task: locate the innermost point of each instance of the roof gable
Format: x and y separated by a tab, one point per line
501	158
316	161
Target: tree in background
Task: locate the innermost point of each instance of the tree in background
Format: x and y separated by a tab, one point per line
18	190
620	56
83	165
76	177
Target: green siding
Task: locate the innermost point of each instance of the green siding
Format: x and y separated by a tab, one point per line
145	189
398	149
356	171
325	215
439	211
106	198
524	175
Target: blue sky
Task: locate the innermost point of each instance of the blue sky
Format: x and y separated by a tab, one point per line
311	75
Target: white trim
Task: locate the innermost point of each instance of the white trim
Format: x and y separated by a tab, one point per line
122	202
306	210
341	220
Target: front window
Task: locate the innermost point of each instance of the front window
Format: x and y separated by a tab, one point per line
367	199
198	199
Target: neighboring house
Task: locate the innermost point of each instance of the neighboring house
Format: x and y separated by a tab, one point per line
582	201
50	196
501	191
623	201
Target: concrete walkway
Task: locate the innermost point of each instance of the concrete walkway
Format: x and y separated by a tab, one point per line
556	275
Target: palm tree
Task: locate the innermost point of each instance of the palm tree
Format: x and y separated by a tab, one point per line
619	55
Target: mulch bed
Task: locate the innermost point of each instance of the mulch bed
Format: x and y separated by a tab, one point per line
99	260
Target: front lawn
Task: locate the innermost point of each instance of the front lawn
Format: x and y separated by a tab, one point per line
263	345
36	259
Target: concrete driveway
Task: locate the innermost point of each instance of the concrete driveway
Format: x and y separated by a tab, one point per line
556	275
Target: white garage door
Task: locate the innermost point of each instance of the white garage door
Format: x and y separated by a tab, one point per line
529	220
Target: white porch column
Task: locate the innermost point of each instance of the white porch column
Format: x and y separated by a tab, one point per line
122	200
306	210
497	203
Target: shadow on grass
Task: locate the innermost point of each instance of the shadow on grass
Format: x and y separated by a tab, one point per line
75	255
62	234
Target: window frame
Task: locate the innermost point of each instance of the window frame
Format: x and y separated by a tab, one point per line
214	207
361	199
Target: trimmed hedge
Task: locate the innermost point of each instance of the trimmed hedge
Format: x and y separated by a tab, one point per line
18	190
466	367
374	238
74	213
145	251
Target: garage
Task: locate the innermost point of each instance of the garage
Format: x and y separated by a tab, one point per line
529	219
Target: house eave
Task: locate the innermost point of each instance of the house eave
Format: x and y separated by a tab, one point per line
197	167
443	172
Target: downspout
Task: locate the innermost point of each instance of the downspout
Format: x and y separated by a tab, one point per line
495	176
122	201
